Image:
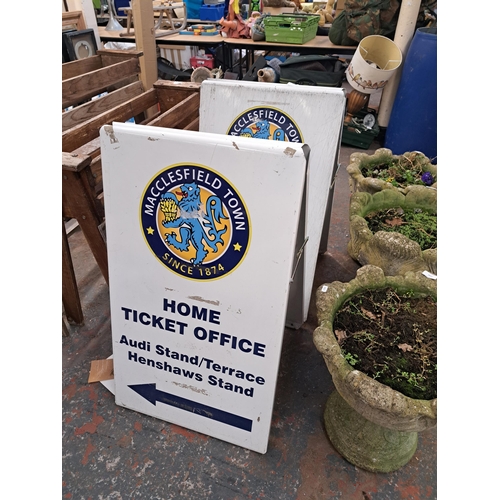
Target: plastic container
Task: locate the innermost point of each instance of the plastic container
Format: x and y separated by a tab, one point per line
121	4
357	136
207	61
211	12
291	28
193	8
413	122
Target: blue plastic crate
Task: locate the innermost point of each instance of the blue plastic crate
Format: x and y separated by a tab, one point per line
211	12
193	8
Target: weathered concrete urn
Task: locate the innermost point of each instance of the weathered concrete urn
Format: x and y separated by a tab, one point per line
371	425
393	252
358	182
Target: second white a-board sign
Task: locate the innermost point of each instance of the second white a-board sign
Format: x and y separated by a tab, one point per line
201	233
293	114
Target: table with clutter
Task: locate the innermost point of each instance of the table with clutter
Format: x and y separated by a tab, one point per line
318	45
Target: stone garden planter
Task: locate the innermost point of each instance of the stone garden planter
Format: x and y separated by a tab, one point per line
371	425
361	163
393	252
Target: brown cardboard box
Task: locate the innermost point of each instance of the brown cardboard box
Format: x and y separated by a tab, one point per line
338	7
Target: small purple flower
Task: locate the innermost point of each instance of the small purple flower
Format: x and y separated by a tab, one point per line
427	178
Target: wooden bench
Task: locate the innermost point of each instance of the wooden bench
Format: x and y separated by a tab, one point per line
174	105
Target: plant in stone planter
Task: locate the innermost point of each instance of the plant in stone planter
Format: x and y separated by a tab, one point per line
393	230
385	386
383	170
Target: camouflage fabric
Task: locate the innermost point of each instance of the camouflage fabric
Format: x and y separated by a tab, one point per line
338	31
361	18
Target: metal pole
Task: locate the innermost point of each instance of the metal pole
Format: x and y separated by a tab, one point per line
405	30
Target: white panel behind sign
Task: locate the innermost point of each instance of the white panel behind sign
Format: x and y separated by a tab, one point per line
294	114
201	233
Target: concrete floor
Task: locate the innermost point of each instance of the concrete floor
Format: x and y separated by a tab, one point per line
110	452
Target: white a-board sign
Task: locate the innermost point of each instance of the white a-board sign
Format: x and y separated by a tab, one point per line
201	233
290	113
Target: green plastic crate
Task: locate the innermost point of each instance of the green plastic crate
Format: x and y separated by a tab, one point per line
291	28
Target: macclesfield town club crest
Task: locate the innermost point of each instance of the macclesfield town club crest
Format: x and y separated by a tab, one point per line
195	222
264	122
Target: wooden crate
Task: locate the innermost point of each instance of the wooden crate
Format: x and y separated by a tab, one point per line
168	104
107	71
73	20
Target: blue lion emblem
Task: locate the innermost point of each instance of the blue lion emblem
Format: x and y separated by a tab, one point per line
262	130
195	225
259	130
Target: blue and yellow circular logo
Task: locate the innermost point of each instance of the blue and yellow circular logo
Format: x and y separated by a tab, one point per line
195	222
264	122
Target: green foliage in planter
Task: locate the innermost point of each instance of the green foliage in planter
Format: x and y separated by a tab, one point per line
400	171
416	224
382	170
392	337
402	246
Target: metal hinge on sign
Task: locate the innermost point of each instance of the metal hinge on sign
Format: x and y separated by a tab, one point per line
299	256
335	176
